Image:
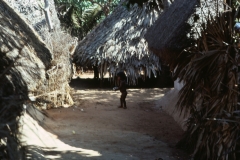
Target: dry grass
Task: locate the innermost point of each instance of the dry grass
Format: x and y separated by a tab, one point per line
57	92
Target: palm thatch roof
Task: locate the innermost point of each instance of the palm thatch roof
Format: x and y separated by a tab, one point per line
24	59
33	12
118	43
60	44
29	70
24	50
172	32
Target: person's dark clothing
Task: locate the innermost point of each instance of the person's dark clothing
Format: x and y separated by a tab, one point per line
122	100
123	89
122	86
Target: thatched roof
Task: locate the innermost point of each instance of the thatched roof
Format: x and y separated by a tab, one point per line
33	12
172	31
22	47
28	70
59	43
118	43
169	31
24	58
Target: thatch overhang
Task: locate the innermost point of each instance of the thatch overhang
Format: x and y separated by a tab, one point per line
60	45
169	32
24	59
118	43
33	12
22	50
29	71
172	32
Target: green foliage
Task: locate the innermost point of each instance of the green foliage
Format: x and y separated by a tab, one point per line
140	3
81	16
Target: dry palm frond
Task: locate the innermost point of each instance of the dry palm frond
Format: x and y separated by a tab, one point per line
209	70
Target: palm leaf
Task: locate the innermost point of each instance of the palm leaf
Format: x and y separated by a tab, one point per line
207	68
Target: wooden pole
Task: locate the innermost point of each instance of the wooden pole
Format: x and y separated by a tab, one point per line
47	15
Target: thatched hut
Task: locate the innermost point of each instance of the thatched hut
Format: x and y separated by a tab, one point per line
30	70
24	59
118	43
209	66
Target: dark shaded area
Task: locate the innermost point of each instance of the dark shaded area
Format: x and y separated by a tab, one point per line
12	96
140	3
163	80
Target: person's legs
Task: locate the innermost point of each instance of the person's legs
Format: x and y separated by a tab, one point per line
121	103
123	97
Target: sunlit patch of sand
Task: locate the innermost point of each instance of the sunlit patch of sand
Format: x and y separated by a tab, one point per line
32	134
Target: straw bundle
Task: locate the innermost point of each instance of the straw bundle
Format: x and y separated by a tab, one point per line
118	43
56	91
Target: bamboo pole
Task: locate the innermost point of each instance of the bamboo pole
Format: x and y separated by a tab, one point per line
47	15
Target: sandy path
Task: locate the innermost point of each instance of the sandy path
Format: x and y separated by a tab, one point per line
94	128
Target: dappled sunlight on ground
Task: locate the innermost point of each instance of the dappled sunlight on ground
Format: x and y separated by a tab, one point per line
94	128
110	96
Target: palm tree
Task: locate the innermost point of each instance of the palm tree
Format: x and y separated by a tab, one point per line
81	16
209	68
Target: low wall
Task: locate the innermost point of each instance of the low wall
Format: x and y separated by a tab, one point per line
168	103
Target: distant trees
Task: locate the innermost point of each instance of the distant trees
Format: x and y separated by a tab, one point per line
80	16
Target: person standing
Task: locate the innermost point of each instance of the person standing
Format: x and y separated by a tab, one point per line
121	77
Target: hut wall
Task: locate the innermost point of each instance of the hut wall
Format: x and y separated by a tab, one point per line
168	36
168	103
178	85
23	61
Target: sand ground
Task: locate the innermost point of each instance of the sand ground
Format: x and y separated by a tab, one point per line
94	128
